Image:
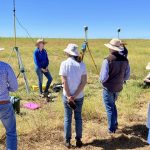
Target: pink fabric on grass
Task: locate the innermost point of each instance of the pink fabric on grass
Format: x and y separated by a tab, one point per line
32	106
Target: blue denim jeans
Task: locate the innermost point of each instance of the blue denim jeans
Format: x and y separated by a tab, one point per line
109	99
40	79
68	119
8	119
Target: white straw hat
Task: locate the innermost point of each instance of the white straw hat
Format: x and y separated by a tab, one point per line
40	41
72	49
1	49
114	44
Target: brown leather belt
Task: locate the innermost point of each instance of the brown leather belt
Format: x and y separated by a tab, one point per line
4	102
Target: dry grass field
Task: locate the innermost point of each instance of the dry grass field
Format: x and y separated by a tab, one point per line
42	129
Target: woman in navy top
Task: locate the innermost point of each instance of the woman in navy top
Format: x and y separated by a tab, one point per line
41	66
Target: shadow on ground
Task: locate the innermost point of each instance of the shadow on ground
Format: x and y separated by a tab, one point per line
139	130
2	139
132	137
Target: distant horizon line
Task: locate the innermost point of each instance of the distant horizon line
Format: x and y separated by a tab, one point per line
21	37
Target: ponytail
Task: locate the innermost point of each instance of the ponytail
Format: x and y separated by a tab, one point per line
79	59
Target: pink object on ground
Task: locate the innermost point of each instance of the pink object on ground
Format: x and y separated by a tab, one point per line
32	106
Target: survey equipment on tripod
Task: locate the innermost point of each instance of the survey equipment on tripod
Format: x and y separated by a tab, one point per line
118	32
85	47
86	33
16	49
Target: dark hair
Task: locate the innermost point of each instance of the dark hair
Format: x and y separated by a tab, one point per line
78	58
125	52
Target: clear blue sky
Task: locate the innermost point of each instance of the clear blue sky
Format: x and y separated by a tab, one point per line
66	18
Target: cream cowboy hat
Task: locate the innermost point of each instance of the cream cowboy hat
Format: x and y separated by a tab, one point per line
115	44
1	49
72	49
40	41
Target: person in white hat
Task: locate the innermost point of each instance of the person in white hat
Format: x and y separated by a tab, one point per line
114	72
41	62
8	83
74	78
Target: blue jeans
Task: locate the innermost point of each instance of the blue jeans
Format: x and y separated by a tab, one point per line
109	99
40	79
77	117
8	119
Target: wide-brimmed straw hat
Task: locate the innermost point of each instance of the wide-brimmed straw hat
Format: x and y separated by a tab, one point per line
1	49
114	44
72	49
40	41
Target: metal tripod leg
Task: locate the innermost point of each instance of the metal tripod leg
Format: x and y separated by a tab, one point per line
86	46
22	69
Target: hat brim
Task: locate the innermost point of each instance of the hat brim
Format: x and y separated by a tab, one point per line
119	49
70	53
1	49
40	42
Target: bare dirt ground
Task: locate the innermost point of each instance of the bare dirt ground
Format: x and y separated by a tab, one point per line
129	137
132	132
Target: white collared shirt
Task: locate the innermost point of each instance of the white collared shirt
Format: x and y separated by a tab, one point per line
73	71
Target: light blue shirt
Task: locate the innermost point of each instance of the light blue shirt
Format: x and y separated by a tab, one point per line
104	74
8	81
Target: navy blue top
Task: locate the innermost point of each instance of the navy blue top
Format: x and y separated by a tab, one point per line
41	59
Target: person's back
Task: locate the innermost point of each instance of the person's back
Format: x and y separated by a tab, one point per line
74	78
8	83
117	69
114	72
74	71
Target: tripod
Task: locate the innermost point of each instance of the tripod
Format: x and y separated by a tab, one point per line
85	46
16	49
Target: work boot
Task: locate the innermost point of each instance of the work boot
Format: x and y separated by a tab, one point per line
79	143
68	144
47	100
41	95
46	94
